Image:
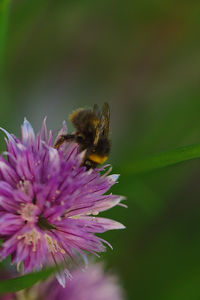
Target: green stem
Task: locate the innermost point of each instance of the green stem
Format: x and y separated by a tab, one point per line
163	159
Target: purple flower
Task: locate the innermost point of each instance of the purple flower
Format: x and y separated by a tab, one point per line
49	202
92	284
8	297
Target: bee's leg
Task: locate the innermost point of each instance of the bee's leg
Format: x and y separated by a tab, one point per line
63	138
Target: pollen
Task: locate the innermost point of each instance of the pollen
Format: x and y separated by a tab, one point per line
24	185
76	217
53	245
30	238
95	213
29	212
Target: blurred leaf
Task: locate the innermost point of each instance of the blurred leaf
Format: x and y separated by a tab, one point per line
25	281
4	10
163	159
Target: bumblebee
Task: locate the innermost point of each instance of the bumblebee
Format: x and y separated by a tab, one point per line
92	134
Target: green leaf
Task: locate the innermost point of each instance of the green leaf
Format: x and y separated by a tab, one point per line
163	159
25	281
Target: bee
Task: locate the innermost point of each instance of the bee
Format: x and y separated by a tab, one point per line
92	134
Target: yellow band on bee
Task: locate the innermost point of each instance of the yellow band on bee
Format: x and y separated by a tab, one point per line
97	158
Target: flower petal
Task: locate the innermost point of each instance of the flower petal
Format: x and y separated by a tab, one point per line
9	223
27	132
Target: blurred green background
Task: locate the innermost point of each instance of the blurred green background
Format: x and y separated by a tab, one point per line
143	57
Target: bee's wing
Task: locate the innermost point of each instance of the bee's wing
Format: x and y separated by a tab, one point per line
97	115
103	125
96	111
105	119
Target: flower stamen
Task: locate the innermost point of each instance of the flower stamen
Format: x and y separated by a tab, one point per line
29	212
30	238
53	245
24	185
